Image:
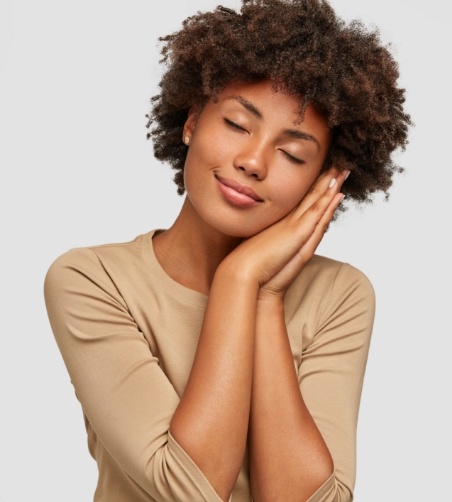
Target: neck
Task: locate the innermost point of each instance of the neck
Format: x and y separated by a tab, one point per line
190	250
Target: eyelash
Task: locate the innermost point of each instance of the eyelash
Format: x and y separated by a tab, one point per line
296	160
232	124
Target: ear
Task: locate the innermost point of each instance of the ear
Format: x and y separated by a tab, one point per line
190	123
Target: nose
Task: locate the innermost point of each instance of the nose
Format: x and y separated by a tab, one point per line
252	160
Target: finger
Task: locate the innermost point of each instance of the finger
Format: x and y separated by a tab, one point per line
319	203
284	239
328	183
322	226
307	249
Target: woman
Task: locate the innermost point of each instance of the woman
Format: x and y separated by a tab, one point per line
221	359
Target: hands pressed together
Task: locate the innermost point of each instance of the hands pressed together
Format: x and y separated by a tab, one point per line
275	256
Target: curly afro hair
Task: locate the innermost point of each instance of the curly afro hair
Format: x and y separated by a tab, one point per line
305	50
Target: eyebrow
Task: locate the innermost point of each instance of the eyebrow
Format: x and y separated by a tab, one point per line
295	133
292	133
249	106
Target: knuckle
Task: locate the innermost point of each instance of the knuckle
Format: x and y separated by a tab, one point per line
315	189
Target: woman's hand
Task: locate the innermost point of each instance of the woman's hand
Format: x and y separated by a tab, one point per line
275	256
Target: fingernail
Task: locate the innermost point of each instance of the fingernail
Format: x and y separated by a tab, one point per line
342	198
347	175
332	183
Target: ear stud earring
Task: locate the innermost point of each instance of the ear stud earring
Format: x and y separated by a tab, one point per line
187	140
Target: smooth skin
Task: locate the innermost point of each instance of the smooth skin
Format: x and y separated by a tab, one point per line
244	252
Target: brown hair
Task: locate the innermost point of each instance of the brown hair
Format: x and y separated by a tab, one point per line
306	50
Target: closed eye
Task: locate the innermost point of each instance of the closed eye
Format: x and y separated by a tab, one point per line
234	125
296	160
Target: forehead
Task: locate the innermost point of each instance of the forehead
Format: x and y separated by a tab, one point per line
264	92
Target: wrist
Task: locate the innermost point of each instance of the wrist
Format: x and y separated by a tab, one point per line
235	274
271	301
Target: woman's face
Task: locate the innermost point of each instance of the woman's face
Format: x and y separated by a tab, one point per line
250	160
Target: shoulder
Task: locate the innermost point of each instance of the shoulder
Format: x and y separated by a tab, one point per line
90	254
329	285
336	275
99	264
335	302
100	255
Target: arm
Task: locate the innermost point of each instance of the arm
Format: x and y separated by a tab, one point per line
211	421
331	374
285	435
288	456
126	396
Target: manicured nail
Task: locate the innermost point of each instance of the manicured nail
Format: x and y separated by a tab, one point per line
332	183
347	175
342	198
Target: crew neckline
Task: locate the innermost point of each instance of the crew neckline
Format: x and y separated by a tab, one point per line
166	282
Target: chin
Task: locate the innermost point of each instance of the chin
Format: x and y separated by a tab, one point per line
239	229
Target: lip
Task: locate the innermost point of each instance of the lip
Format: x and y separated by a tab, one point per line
237	194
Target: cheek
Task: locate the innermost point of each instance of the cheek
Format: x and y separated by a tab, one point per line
195	162
207	152
204	153
209	141
290	191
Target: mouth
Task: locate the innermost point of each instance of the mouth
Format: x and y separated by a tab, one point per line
234	188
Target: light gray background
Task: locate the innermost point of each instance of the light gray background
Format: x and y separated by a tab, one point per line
75	82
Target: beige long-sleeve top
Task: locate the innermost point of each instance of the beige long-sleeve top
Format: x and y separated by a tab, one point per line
128	335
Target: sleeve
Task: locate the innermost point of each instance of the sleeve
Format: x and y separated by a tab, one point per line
331	375
124	393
